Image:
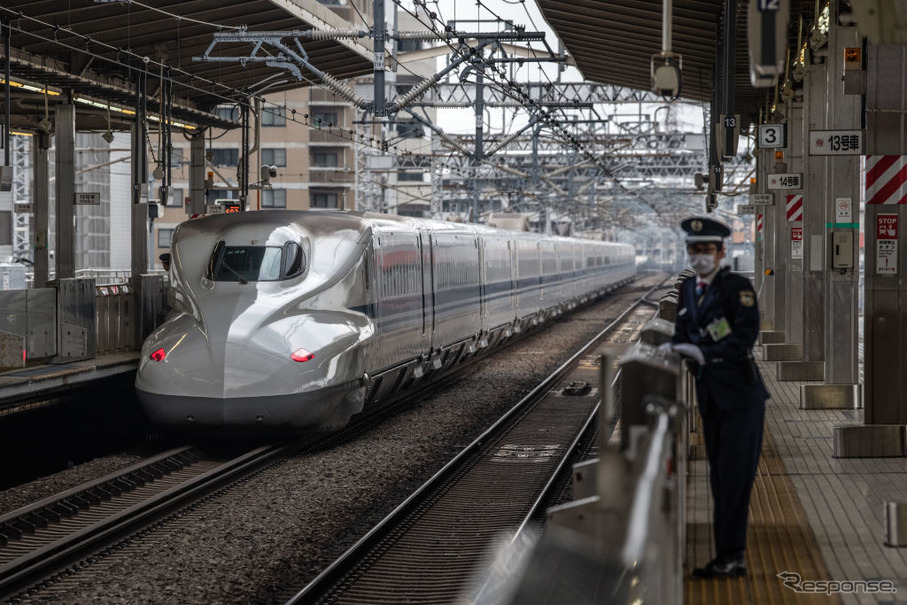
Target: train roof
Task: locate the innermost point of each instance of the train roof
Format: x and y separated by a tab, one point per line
315	221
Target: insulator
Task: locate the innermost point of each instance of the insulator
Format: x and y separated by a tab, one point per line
417	91
455	144
335	34
342	89
504	143
424	35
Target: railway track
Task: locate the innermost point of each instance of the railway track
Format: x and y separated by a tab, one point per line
430	547
48	539
45	537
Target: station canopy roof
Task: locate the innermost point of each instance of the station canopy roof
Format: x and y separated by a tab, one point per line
95	47
612	42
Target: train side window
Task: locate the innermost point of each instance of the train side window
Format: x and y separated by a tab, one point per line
293	260
217	256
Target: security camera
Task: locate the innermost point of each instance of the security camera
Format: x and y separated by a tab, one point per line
267	173
666	69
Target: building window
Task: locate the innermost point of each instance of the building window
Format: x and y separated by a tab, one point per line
325	159
274	157
324	199
228	112
273	198
409	129
164	237
273	116
225	157
410	176
324	118
176	157
175	197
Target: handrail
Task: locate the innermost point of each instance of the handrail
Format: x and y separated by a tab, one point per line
644	494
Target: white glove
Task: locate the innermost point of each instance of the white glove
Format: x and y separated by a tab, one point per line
666	347
691	351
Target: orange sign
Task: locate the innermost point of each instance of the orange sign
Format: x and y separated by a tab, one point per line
853	57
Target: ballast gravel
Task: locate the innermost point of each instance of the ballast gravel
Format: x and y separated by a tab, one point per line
262	541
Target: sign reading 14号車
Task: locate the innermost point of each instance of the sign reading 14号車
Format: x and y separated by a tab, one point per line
835	142
785	181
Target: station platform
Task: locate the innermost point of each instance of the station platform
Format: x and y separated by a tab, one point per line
23	389
820	517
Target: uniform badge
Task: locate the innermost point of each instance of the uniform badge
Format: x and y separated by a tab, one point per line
696	226
747	298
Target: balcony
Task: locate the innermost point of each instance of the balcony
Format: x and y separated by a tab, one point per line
338	176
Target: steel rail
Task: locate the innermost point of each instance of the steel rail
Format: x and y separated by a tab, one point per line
44	561
51	558
350	558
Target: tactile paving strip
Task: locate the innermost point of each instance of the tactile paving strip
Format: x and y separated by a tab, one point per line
779	540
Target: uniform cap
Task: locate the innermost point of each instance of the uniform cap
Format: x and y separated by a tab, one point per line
703	229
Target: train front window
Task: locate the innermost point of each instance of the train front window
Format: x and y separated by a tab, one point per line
255	263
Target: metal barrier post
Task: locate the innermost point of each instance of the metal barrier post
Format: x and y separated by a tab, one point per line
103	319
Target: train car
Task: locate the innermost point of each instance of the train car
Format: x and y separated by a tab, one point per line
292	321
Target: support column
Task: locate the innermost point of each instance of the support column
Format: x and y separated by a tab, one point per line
139	175
885	305
765	252
832	336
787	303
807	321
65	173
41	165
794	275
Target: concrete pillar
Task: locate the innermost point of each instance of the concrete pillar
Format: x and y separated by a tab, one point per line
817	101
885	306
41	165
885	313
778	232
765	248
831	336
65	173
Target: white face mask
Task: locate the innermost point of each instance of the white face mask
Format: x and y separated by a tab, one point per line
703	264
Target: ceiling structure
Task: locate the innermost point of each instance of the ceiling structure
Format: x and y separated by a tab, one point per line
95	48
612	42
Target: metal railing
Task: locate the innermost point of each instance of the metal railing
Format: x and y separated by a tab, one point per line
622	540
77	319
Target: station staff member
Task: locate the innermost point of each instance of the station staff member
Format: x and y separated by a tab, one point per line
717	325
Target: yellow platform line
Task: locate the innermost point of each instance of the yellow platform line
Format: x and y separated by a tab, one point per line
779	538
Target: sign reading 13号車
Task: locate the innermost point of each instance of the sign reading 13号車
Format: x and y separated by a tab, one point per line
835	142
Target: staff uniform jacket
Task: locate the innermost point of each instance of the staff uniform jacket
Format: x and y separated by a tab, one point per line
729	379
731	396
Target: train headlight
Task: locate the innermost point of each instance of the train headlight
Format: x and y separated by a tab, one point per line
159	355
302	355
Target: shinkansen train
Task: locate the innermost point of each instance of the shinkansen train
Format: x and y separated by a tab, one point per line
297	320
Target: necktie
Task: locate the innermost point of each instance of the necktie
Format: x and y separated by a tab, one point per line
700	289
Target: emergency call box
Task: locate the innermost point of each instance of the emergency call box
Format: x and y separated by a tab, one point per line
842	250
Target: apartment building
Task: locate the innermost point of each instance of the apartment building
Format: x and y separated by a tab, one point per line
304	135
312	139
